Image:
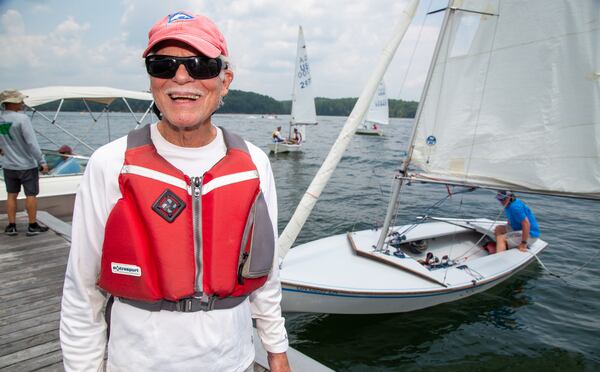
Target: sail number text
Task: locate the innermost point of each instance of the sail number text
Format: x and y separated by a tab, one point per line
303	74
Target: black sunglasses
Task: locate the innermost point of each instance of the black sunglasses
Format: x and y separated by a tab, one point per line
199	67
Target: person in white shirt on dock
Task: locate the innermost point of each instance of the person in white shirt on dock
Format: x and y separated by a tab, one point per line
177	221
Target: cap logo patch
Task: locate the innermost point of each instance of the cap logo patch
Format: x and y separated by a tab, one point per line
168	205
179	16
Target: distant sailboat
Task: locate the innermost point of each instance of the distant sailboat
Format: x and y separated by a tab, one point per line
303	100
509	80
378	114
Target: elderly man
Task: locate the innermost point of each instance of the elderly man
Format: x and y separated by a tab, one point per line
22	161
522	229
177	221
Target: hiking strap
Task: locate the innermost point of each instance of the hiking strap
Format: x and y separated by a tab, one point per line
188	305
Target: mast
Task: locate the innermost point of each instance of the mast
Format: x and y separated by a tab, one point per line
291	231
398	179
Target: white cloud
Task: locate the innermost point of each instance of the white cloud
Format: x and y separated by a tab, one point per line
70	26
344	39
12	23
40	8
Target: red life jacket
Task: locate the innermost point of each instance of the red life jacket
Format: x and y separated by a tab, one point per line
172	237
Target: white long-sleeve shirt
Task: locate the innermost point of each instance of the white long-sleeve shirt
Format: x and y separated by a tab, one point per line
218	340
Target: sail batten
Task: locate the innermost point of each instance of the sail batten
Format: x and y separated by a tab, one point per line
513	102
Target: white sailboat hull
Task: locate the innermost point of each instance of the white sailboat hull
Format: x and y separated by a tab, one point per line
369	131
341	280
283	147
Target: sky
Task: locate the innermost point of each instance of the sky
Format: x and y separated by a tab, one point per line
61	42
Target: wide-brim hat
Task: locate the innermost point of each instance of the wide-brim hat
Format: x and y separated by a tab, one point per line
12	96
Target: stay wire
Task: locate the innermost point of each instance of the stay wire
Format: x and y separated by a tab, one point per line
429	209
562	277
412	53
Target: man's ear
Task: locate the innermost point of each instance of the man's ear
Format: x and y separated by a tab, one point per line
227	79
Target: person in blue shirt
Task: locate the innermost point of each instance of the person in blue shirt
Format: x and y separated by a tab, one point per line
67	164
522	229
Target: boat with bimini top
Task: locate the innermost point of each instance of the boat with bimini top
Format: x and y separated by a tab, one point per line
58	188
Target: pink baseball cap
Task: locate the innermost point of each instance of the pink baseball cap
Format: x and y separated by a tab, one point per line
195	30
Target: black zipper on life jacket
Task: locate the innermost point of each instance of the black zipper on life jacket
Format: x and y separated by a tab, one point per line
196	192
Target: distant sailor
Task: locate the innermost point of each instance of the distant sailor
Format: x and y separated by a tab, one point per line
522	229
296	137
276	135
177	221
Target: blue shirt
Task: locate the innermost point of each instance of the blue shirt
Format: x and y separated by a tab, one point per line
516	213
68	166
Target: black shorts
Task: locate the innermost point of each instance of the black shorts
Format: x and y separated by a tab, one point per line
29	178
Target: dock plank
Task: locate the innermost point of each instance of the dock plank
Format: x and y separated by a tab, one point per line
29	342
26	355
32	270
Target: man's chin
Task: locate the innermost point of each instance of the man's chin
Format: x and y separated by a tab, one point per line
185	125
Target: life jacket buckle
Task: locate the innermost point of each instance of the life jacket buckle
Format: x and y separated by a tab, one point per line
201	302
184	305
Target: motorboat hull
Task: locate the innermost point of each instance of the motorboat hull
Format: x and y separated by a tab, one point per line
57	195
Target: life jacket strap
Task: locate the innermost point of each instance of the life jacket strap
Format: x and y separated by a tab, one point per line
187	305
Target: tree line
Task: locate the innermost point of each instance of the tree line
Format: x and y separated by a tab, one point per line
241	102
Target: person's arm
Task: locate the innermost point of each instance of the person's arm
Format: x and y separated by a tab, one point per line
32	143
265	303
525	227
278	362
82	325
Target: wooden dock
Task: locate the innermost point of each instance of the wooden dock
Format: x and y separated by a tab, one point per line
32	270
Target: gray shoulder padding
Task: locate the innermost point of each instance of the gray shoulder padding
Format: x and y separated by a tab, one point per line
233	141
139	137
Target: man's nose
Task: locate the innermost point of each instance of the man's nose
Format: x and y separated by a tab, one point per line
181	75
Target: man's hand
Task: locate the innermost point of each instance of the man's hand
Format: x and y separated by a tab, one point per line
523	247
278	362
44	168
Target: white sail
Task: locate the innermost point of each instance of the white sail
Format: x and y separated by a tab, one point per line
308	201
379	110
513	99
303	99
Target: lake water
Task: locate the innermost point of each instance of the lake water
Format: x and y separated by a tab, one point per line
533	321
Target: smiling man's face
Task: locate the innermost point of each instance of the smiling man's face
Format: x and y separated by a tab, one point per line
185	102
